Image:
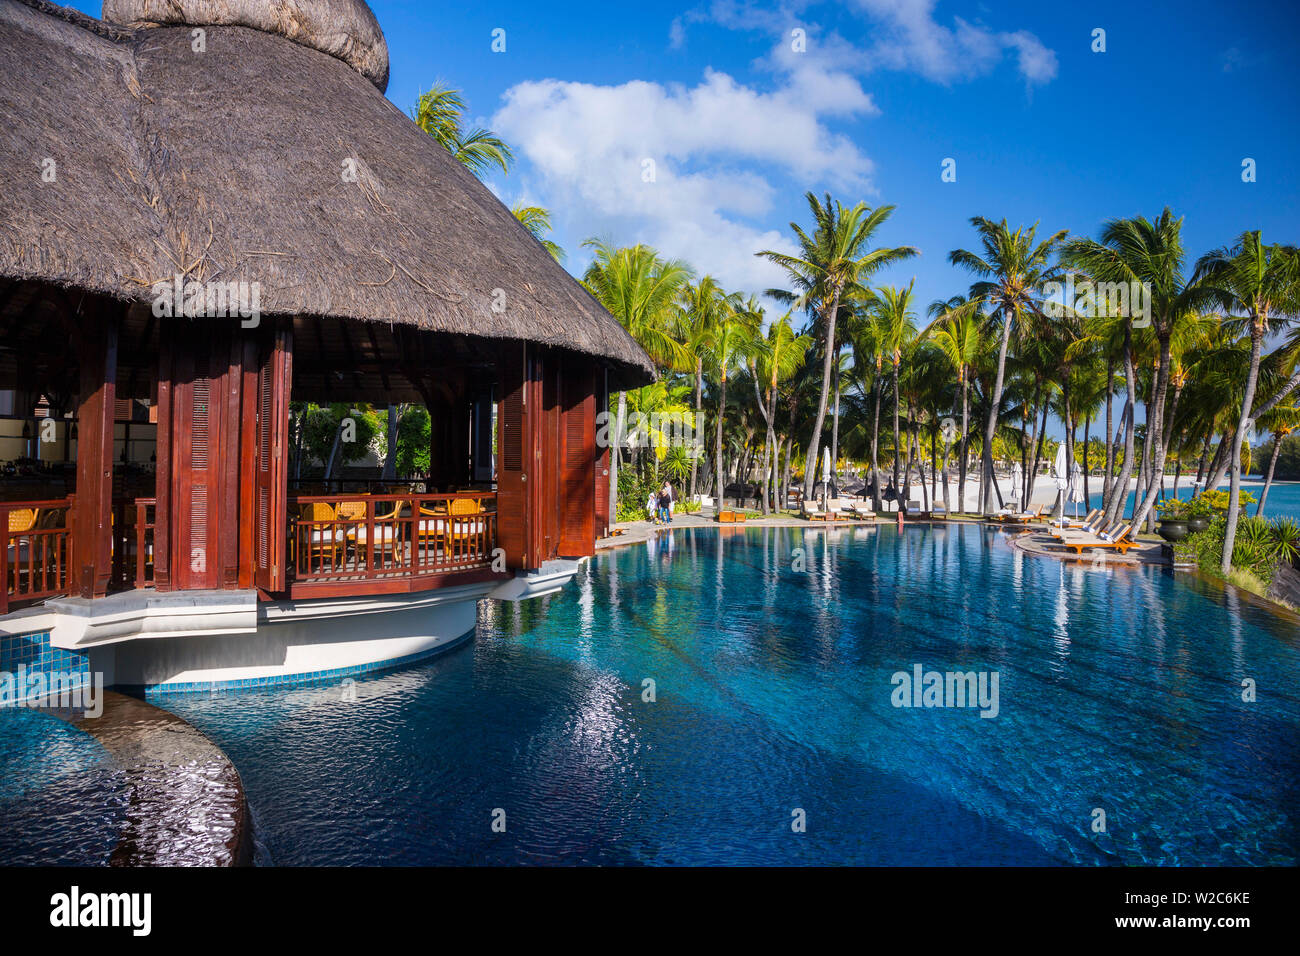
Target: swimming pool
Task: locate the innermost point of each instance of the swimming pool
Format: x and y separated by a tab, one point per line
63	800
772	653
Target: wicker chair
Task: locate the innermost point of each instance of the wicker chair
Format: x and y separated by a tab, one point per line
322	539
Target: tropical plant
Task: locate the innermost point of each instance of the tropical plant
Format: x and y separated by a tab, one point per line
537	220
833	259
1261	283
441	113
1013	269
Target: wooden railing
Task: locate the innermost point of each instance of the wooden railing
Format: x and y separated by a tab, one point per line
340	538
36	560
144	523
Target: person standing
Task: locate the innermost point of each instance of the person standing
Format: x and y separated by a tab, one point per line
668	498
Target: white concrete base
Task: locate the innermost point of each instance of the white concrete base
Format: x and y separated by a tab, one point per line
305	639
194	640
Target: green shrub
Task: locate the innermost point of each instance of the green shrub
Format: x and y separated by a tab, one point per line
1286	535
1259	547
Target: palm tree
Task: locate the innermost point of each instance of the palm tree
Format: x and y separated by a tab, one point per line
1281	421
955	329
1262	284
830	261
1147	254
1013	269
897	327
776	358
700	305
728	345
639	288
537	220
441	113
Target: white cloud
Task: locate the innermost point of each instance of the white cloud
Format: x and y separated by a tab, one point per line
713	146
914	40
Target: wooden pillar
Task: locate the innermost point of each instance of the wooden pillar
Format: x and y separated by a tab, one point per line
162	527
93	528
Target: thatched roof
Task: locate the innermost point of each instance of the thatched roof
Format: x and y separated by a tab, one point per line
261	159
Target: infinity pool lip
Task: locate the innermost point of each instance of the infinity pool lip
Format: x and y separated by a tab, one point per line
187	805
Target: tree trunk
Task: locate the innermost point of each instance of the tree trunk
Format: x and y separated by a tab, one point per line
815	440
699	412
1238	439
897	448
875	448
615	453
1119	491
717	444
1268	480
1156	411
996	401
965	441
1110	448
835	426
1087	423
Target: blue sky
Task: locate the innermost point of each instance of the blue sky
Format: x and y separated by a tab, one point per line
740	125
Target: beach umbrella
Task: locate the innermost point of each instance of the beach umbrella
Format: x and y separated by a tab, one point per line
1062	476
826	471
1017	480
1076	486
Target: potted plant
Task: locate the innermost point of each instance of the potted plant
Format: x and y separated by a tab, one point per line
1173	519
1198	513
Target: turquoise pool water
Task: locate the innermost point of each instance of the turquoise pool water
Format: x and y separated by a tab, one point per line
772	653
63	800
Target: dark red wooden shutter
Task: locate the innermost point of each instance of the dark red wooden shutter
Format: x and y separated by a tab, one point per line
270	505
195	564
578	459
601	517
511	477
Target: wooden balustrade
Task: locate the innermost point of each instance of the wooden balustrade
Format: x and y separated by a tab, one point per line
37	557
341	540
358	538
144	525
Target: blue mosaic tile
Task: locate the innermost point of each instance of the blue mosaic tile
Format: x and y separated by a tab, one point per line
33	653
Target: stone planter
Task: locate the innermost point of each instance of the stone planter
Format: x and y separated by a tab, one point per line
1173	529
1197	524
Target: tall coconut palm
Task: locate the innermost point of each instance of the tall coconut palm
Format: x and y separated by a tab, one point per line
441	113
699	307
639	288
1282	420
896	321
728	346
830	261
1260	283
776	358
956	330
537	220
1013	268
1147	254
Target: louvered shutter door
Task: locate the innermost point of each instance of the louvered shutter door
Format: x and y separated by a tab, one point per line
270	506
578	459
511	476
